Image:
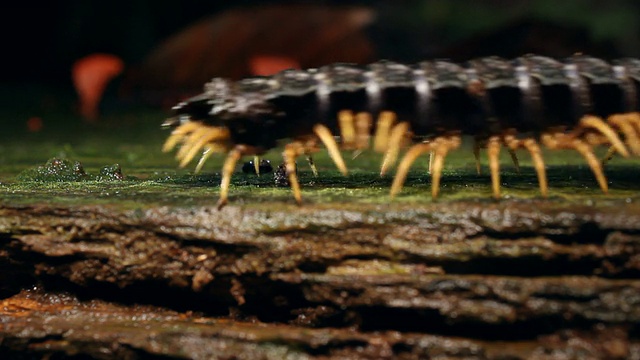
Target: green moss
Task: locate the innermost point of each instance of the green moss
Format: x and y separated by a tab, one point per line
152	178
55	170
65	170
110	173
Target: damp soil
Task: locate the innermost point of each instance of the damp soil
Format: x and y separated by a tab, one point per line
108	251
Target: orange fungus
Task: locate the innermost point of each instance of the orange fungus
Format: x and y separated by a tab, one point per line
91	74
265	65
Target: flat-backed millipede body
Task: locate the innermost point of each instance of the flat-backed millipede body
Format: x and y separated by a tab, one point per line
527	102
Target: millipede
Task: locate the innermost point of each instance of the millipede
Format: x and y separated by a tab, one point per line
523	103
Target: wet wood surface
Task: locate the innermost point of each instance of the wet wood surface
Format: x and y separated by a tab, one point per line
460	279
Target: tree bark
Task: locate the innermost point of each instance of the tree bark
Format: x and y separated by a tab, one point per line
471	279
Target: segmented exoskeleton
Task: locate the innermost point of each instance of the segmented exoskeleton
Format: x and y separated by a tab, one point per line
520	103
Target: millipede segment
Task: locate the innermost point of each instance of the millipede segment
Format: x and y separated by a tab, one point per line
524	103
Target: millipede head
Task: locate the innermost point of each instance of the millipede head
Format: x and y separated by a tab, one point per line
195	128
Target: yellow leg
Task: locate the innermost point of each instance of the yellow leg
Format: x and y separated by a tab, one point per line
395	140
385	120
438	163
625	123
312	165
347	129
256	164
334	152
178	134
493	151
227	170
209	150
363	130
609	155
441	147
205	155
405	164
634	119
291	152
189	142
585	150
597	124
538	163
195	143
565	141
356	153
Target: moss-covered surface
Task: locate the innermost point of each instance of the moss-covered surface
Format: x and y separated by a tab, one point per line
351	273
149	177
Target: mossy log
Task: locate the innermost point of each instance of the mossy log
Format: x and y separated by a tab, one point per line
461	279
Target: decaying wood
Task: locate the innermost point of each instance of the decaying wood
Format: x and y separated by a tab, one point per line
472	279
61	325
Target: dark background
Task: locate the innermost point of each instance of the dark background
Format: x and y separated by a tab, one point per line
42	39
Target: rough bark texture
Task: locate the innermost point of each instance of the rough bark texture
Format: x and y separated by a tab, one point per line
473	279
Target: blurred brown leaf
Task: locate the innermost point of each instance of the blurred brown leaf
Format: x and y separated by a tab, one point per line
225	44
